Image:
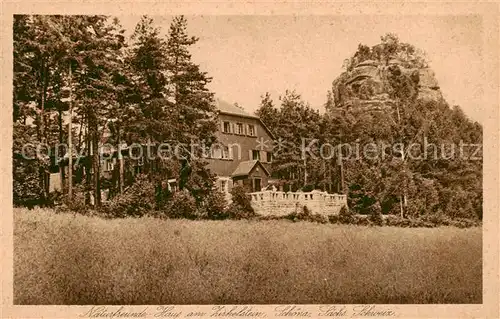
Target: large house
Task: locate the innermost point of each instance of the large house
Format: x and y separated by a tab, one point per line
243	153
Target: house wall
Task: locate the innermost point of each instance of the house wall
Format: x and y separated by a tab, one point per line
258	173
225	167
248	181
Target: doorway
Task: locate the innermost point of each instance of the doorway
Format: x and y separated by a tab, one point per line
257	185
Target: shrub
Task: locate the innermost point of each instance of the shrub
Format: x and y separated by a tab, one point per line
333	219
214	206
269	217
27	174
240	207
55	198
361	220
306	215
436	219
76	204
393	220
398	221
345	215
318	218
26	187
464	223
376	215
299	214
136	201
181	205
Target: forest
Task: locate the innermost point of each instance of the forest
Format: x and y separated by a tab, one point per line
77	76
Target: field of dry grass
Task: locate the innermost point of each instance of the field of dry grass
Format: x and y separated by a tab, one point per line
73	259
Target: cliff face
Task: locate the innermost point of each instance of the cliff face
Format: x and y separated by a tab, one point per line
378	85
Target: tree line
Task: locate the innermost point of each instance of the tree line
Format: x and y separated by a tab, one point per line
147	89
142	89
448	185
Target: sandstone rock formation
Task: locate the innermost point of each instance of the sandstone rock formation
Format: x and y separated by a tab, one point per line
373	85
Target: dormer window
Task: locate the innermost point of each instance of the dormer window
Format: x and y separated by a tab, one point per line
251	130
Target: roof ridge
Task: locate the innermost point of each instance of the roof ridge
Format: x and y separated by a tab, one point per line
234	109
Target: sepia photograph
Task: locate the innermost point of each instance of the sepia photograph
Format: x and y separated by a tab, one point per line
164	159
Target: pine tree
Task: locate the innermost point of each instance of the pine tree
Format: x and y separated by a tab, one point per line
93	48
193	105
149	119
39	52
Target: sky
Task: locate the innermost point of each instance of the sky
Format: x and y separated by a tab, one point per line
248	56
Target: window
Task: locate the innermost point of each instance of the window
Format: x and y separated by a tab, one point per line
172	185
225	152
257	185
220	152
223	186
227	127
251	130
269	156
239	128
108	165
255	155
216	152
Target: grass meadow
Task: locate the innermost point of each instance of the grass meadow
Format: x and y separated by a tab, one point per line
74	259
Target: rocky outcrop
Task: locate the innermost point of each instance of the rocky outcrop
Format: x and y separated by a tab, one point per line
376	85
428	87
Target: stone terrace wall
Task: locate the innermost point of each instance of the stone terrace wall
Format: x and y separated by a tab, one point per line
278	203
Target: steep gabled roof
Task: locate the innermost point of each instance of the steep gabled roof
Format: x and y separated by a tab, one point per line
245	167
227	108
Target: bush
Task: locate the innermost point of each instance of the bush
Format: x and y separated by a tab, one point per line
299	214
393	220
333	219
376	215
55	198
306	215
214	206
464	223
136	201
181	205
75	204
269	217
26	187
345	215
436	219
27	174
240	207
361	220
